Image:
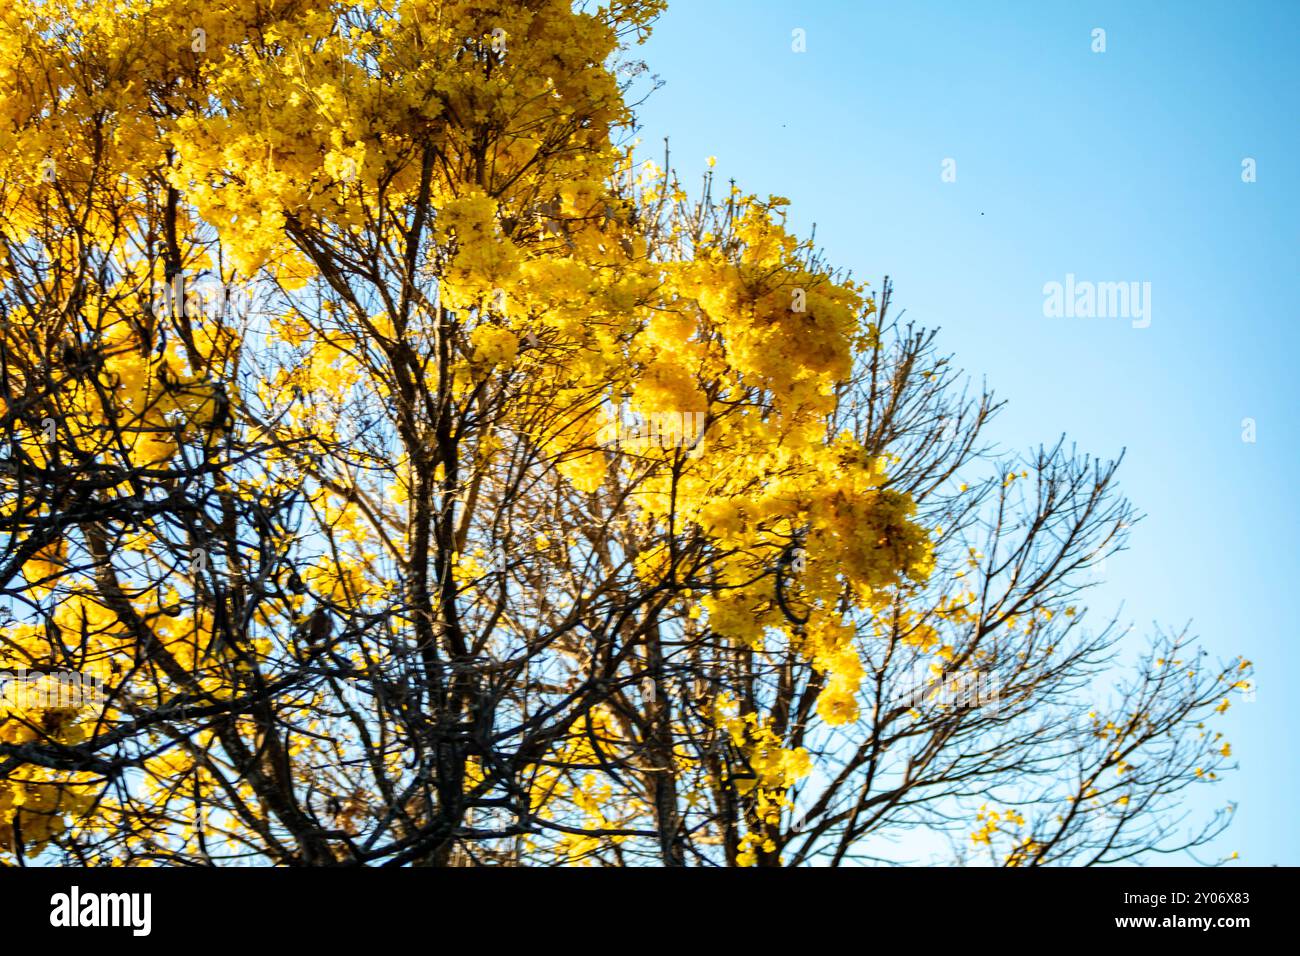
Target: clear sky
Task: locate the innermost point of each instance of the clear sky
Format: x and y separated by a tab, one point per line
1122	165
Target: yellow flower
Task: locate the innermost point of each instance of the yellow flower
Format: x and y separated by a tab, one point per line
494	345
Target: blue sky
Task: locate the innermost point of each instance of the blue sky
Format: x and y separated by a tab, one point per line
1117	166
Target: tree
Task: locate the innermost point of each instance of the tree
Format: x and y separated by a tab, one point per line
415	479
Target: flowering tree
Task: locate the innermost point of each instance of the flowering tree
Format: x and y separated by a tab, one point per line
415	479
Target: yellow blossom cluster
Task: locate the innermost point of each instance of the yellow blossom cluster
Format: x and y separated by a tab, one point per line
995	821
35	804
